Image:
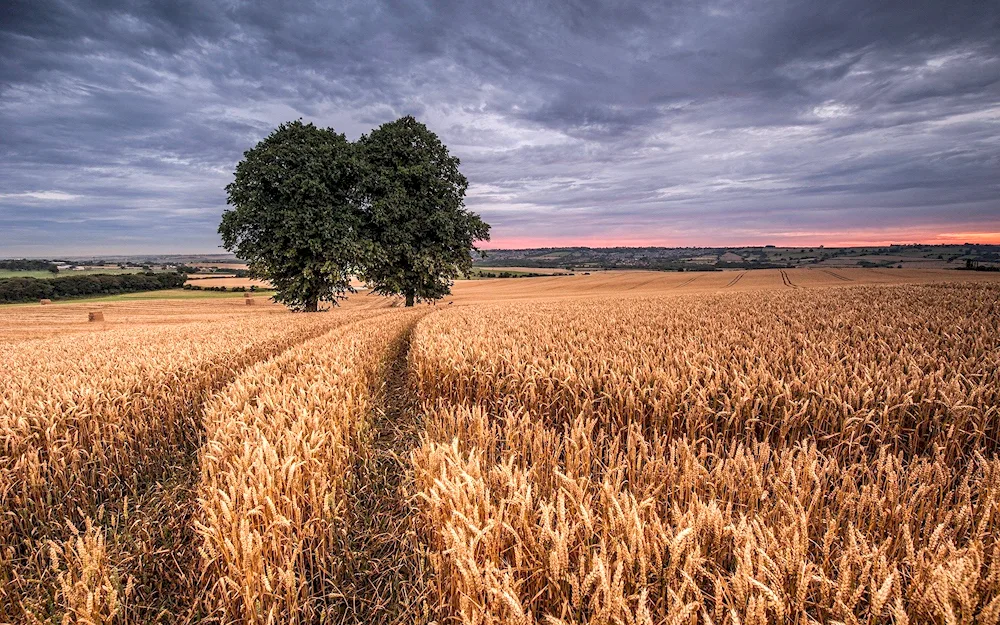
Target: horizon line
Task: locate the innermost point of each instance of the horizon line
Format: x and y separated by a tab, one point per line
605	246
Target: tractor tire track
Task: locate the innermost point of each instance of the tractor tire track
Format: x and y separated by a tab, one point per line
686	282
387	582
787	281
735	280
837	275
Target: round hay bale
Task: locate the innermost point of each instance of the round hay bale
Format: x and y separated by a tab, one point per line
247	296
250	301
43	301
95	316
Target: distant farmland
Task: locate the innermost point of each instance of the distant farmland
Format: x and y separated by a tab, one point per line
67	272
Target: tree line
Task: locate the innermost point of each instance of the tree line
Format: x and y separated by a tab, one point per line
312	210
25	264
14	290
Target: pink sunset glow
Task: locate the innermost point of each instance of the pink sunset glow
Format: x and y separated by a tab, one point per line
857	238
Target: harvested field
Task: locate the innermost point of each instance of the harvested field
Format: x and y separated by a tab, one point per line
30	321
227	281
796	445
222	265
541	270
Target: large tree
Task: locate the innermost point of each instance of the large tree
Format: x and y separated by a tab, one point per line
418	235
294	218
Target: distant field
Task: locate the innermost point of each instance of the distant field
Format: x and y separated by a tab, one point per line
81	272
479	273
221	265
531	270
597	283
909	256
632	283
144	296
172	294
226	281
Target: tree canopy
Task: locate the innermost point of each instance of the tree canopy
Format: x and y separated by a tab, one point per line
419	237
295	221
311	209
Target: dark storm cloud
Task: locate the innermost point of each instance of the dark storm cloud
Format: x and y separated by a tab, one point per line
687	121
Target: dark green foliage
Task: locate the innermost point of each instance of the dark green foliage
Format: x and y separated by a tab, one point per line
14	290
294	220
418	235
24	264
311	209
222	289
25	289
723	264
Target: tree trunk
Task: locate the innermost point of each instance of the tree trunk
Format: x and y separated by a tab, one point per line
312	305
410	296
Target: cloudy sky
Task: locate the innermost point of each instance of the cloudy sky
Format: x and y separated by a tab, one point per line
691	122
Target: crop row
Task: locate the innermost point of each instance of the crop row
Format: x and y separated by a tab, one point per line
90	421
283	444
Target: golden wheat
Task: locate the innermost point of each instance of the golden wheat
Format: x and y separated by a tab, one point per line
917	367
282	445
607	450
93	420
820	457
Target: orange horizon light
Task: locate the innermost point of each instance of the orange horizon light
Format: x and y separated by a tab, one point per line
783	239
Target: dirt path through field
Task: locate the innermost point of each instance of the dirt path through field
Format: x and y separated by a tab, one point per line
156	544
386	581
152	538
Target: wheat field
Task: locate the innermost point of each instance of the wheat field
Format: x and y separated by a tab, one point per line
751	458
622	448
